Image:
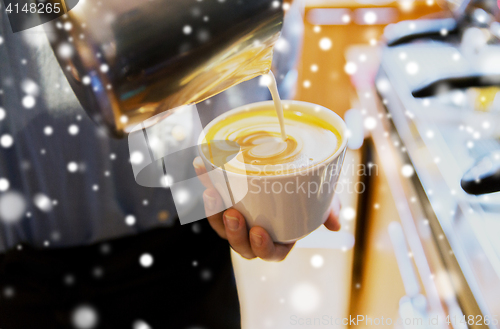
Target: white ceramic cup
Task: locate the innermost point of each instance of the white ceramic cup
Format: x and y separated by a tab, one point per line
288	206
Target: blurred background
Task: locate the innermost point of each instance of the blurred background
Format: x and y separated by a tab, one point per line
423	246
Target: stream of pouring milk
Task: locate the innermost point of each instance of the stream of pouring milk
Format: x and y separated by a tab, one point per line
265	147
273	88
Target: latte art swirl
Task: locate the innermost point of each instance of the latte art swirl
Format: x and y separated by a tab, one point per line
260	148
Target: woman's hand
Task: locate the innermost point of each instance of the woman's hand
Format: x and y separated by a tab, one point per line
231	225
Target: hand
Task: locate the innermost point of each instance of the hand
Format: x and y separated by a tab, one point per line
231	225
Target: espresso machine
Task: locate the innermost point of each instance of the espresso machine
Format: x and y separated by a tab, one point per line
437	95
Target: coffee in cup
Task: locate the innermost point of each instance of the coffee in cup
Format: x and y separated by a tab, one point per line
285	185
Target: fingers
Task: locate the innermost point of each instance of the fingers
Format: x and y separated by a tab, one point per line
264	247
256	244
237	233
211	199
333	223
213	211
201	171
232	226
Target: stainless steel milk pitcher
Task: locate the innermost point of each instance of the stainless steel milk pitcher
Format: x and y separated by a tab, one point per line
128	60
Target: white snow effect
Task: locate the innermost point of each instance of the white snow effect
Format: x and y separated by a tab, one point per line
130	220
370	17
305	297
65	50
370	123
42	202
6	141
140	324
265	80
206	274
407	170
317	261
73	130
350	68
182	196
136	158
72	167
383	85
30	87
48	130
4	184
146	260
282	45
348	213
325	43
412	68
84	317
187	29
12	207
179	133
28	101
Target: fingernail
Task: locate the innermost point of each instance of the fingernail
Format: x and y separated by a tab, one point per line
256	239
231	222
336	207
209	201
336	210
197	163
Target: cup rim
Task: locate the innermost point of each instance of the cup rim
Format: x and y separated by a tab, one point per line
250	107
